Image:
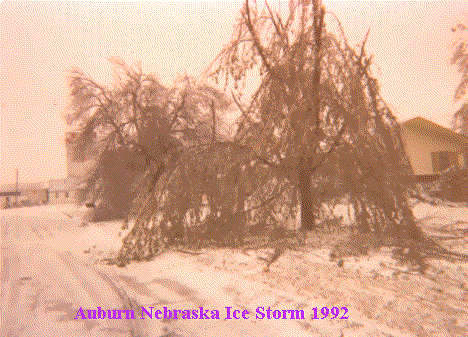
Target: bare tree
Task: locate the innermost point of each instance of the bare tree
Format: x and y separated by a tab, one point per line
193	119
132	130
318	105
112	127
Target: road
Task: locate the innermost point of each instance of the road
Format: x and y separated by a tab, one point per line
43	285
45	281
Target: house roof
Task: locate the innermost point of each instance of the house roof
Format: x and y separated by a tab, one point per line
23	187
428	126
9	194
66	184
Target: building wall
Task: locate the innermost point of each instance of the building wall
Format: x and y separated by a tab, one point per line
35	196
26	198
5	202
419	146
60	197
66	197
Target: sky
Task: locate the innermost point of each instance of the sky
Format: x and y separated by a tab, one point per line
411	43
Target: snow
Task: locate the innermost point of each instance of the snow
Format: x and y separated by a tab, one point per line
237	279
444	213
384	297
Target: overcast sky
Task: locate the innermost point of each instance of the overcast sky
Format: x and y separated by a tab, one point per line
411	43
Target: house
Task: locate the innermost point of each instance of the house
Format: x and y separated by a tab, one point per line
431	148
7	199
57	191
27	194
64	191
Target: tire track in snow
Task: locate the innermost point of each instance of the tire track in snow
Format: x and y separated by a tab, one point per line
10	293
84	277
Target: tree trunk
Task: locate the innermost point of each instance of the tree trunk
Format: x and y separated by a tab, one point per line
156	175
307	199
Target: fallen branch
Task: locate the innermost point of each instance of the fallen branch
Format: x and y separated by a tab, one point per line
188	252
70	216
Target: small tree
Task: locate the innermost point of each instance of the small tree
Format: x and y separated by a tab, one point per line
195	116
124	129
135	129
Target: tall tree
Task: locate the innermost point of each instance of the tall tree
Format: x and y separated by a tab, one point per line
460	58
316	130
318	106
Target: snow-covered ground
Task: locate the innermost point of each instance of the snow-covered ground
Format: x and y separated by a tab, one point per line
382	297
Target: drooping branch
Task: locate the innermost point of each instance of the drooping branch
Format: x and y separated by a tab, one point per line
315	132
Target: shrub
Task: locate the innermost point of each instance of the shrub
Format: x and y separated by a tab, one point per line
453	184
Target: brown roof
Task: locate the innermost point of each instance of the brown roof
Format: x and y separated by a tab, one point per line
428	126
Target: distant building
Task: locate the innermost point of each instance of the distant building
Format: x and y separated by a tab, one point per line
65	191
7	199
57	191
431	148
27	194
